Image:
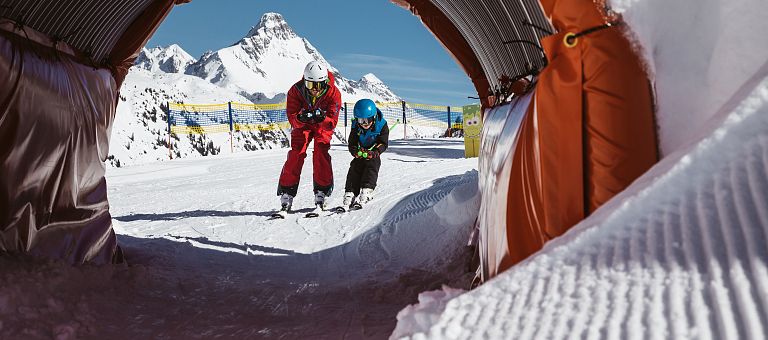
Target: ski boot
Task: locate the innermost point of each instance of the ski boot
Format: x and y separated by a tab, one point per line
320	200
286	201
349	202
320	205
349	198
366	195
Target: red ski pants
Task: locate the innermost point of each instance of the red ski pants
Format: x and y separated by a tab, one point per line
321	160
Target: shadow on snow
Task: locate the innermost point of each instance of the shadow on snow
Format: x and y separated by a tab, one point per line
427	148
198	213
186	214
353	290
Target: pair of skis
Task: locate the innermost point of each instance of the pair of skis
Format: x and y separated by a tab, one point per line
283	213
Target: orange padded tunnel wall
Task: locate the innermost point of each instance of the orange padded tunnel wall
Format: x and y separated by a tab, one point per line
587	133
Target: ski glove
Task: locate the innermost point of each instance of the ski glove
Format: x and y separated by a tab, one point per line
311	116
319	116
306	116
367	154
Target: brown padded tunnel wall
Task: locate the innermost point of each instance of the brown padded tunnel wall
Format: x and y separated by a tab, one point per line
54	130
61	64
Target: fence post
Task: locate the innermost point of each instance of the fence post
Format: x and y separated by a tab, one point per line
170	146
231	129
345	120
405	123
449	121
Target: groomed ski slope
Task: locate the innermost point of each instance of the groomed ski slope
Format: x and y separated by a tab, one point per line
206	263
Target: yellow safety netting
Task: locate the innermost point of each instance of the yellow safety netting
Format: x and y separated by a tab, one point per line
216	118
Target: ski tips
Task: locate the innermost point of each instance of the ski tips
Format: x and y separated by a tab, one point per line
282	214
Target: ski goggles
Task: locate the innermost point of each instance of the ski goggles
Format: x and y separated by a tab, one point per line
315	85
364	121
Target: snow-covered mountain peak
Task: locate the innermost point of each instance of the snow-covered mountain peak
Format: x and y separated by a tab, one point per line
370	78
175	49
375	88
272	25
171	59
262	66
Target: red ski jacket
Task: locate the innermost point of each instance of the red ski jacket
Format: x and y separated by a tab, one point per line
299	100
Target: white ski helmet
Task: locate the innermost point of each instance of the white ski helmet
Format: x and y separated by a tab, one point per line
315	71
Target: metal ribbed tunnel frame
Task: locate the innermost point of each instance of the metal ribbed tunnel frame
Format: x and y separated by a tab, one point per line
93	27
487	24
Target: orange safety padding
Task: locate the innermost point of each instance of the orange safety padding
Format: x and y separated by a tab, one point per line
594	114
620	133
559	110
452	40
590	135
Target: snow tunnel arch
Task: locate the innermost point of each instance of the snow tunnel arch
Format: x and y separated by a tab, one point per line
75	54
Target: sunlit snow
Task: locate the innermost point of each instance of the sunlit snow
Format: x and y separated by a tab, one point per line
205	261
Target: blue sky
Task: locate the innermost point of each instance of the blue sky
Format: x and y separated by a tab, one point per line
357	37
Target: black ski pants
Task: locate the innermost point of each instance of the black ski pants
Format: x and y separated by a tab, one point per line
362	174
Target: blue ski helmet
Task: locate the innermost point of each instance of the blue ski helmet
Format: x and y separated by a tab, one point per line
365	108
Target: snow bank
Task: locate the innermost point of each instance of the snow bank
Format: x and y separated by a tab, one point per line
419	317
702	55
437	221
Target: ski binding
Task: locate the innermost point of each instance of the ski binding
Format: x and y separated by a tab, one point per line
314	213
280	214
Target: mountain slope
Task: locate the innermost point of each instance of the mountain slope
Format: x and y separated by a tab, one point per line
259	68
140	130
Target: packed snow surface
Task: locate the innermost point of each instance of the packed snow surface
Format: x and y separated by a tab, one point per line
204	261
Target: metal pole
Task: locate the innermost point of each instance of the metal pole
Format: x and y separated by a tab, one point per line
449	121
345	120
170	146
231	135
405	124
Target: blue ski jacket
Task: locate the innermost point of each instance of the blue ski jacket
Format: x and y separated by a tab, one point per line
377	135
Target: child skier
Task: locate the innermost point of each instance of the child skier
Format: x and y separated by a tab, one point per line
368	138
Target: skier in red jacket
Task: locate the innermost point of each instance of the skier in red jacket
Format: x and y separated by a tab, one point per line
313	110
